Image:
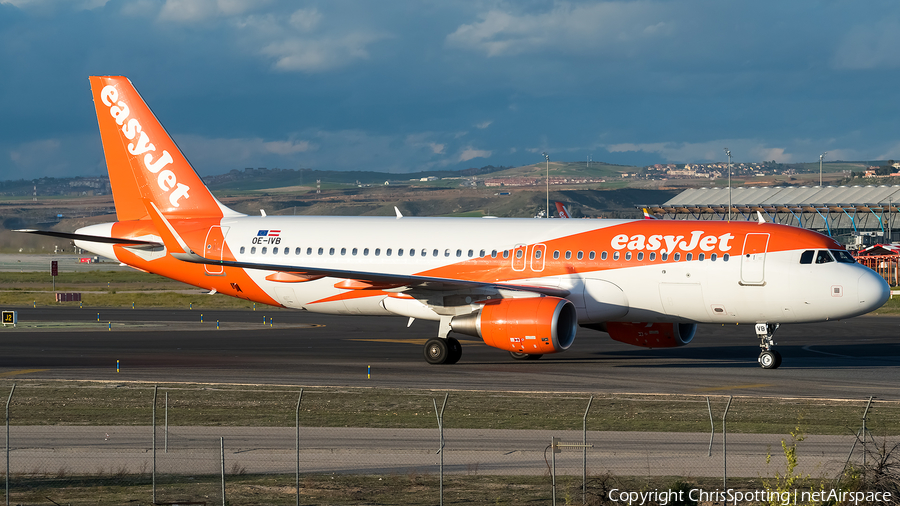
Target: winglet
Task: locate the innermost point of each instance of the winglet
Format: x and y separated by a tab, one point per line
647	215
399	214
760	216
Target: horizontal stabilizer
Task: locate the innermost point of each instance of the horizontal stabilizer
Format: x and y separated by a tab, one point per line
89	238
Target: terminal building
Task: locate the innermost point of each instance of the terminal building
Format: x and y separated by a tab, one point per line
857	216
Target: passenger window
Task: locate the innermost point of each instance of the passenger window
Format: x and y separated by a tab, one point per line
493	253
713	257
275	250
506	253
676	257
434	253
482	254
343	251
264	250
665	257
628	255
556	254
568	255
253	250
287	251
603	256
640	256
615	255
807	256
459	252
242	250
377	251
689	257
652	256
412	252
580	255
354	251
321	251
471	253
400	252
591	255
519	254
297	251
365	252
388	252
725	257
331	251
537	253
701	257
446	252
822	257
843	257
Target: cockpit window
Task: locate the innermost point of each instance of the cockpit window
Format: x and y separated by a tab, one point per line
823	257
807	256
843	256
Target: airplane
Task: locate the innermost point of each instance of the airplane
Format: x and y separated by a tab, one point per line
521	285
561	210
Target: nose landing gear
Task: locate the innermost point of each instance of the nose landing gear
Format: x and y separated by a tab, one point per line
769	358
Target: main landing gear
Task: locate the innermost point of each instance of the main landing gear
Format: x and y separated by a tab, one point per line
768	357
443	350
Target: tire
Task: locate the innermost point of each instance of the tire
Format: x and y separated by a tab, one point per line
525	356
436	351
769	359
455	350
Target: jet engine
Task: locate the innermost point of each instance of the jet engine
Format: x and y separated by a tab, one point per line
535	326
652	335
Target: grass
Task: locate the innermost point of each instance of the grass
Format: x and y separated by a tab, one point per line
400	488
46	402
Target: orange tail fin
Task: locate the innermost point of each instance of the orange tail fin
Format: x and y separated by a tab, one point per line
143	161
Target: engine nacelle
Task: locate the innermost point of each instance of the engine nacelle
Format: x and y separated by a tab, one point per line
536	325
652	335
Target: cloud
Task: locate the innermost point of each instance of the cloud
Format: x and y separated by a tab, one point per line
199	10
867	47
318	55
742	149
470	153
483	125
568	27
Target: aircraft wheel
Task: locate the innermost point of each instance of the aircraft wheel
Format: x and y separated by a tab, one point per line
525	356
455	350
437	351
769	359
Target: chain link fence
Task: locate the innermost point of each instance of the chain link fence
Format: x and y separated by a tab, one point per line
106	444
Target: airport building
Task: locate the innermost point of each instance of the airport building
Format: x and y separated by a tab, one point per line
857	216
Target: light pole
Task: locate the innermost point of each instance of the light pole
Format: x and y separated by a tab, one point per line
822	156
547	158
727	152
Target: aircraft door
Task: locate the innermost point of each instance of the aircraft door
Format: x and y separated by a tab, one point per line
214	248
753	259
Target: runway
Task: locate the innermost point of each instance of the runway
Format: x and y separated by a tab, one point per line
849	359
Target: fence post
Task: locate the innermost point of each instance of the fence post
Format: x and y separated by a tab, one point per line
153	425
712	428
222	453
297	425
584	452
166	442
7	441
440	422
724	447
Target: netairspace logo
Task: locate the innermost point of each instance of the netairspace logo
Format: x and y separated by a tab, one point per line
732	496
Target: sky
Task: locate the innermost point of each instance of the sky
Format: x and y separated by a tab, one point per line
445	84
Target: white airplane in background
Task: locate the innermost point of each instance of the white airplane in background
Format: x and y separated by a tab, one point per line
521	285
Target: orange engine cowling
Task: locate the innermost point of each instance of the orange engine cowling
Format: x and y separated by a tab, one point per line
536	325
652	335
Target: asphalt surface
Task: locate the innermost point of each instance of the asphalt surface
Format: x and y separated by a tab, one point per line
850	359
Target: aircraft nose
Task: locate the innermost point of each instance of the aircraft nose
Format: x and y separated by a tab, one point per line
873	291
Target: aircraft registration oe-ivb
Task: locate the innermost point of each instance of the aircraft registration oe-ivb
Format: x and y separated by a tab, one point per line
521	285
